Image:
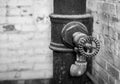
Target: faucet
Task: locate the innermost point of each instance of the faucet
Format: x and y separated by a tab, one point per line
76	35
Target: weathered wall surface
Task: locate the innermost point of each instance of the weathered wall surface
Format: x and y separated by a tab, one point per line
106	65
24	39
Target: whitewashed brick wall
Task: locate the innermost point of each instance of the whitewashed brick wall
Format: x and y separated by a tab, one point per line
24	39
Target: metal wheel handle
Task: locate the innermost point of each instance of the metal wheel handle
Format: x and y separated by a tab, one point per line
86	43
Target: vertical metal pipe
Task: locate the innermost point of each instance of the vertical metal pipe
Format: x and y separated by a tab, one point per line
70	7
63	55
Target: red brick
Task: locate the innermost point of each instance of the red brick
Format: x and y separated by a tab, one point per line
91	5
94	72
103	74
118	10
96	66
101	81
111	80
105	30
112	33
118	36
101	62
104	17
117	26
108	13
117	62
107	41
99	6
109	8
113	71
108	54
100	72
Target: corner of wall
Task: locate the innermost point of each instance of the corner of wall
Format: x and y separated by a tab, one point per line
106	65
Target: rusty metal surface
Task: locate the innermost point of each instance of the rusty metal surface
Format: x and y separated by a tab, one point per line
58	24
66	11
71	28
62	63
70	7
62	56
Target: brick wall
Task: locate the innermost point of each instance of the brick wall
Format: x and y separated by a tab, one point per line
106	65
24	39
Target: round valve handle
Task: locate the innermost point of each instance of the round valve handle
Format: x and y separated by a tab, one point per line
85	43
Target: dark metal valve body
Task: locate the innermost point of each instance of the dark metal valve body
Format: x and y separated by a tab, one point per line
66	11
69	7
63	55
